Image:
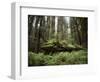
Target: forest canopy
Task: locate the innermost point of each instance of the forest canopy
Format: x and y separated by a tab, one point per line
52	35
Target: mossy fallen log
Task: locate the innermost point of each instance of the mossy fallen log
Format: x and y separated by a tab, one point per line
58	46
59	49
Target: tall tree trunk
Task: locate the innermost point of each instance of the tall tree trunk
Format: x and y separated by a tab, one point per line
37	37
56	26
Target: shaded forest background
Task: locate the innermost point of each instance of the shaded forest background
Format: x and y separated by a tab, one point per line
52	35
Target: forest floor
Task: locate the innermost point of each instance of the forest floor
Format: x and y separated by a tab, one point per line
58	58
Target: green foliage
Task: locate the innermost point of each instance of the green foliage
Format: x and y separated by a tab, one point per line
62	43
36	59
54	42
58	58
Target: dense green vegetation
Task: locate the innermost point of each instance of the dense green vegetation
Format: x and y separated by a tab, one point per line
56	46
57	40
61	58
